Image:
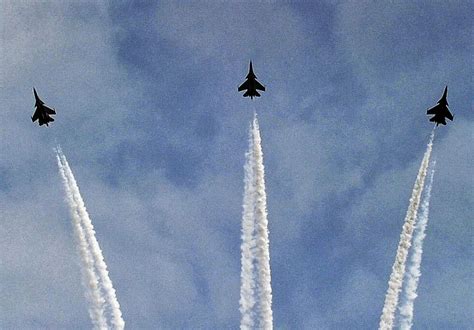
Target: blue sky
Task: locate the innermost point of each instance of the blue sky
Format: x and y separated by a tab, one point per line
149	117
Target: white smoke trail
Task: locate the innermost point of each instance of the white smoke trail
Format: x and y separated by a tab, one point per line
264	292
398	268
90	280
101	267
414	272
247	273
256	290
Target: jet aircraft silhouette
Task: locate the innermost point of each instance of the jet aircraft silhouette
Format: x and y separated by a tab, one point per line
441	111
251	85
42	112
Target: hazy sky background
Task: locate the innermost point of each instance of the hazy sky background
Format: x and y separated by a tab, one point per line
150	119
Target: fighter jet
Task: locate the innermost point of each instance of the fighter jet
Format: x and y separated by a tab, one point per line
441	111
251	85
42	112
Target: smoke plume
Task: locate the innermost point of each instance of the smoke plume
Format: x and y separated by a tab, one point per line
247	274
414	268
79	210
398	268
256	290
90	280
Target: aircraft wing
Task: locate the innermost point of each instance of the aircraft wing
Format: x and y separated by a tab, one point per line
244	86
448	114
433	110
259	86
49	110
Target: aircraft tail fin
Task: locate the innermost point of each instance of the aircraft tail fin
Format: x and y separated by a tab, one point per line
444	98
38	100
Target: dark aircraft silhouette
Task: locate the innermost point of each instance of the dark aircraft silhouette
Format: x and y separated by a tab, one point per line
251	85
441	111
42	112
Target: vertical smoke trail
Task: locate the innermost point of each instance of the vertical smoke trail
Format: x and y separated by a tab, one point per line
398	268
247	273
90	280
264	292
256	290
101	267
414	272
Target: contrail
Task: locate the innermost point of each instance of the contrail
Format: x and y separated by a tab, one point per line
264	292
414	272
94	248
256	290
398	268
90	280
247	273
